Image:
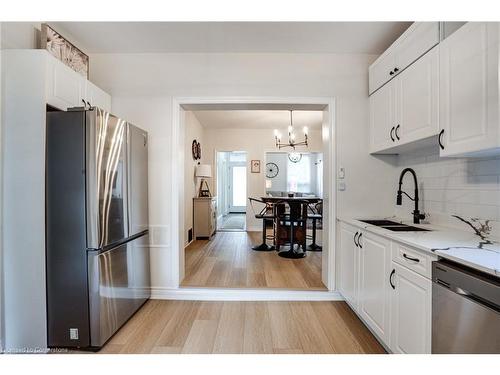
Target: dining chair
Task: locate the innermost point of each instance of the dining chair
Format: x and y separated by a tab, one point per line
264	212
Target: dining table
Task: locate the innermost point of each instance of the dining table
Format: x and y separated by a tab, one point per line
293	203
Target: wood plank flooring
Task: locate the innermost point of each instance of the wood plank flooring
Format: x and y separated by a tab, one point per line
243	327
227	261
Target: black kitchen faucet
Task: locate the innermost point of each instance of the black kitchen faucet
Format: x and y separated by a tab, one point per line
417	216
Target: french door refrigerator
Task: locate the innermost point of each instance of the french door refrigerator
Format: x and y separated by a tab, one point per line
97	247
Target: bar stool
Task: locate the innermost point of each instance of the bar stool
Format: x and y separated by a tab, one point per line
266	214
315	216
292	229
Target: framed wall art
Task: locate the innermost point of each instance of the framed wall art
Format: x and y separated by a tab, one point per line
63	50
255	166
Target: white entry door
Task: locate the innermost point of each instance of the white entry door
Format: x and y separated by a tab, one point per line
237	187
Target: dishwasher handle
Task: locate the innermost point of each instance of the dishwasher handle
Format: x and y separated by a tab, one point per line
476	299
469	295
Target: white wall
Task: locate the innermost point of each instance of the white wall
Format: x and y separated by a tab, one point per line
1	200
468	187
143	86
193	130
279	183
154	115
20	35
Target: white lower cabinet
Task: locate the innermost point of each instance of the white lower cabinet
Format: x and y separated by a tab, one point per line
374	297
410	311
348	264
388	285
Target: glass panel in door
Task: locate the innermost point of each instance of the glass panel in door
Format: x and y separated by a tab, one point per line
238	187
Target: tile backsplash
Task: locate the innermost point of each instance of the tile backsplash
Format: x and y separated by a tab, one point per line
467	187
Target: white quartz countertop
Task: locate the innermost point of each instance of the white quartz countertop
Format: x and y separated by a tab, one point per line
463	247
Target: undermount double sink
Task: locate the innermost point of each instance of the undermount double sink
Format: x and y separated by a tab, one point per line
394	226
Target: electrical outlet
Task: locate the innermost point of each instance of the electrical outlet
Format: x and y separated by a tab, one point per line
341	186
73	333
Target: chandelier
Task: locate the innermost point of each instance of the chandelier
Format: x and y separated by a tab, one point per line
292	141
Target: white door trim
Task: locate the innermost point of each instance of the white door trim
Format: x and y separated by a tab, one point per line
177	181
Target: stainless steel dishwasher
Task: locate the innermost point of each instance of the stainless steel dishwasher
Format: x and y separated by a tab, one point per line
465	310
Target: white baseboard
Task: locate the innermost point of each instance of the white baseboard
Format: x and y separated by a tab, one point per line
236	294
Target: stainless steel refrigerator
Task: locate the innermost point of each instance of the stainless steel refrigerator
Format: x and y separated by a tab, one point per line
97	247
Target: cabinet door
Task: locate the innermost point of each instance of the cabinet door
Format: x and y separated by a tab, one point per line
348	264
415	42
374	294
382	118
469	89
65	88
380	71
97	97
417	99
411	312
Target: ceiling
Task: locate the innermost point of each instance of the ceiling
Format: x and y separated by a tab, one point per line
235	37
258	119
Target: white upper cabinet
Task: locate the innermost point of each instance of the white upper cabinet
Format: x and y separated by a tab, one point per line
420	38
97	97
405	110
417	100
416	41
411	311
374	294
64	87
382	70
348	263
383	118
469	91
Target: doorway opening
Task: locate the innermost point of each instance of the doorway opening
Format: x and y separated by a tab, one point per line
231	190
228	259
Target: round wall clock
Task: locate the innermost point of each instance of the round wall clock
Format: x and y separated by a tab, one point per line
194	150
294	157
272	170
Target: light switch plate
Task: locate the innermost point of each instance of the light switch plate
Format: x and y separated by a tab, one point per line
341	186
341	173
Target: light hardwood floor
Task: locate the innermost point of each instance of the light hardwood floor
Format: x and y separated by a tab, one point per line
243	327
227	261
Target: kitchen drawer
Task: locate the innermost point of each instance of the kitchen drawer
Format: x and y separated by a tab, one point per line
413	259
